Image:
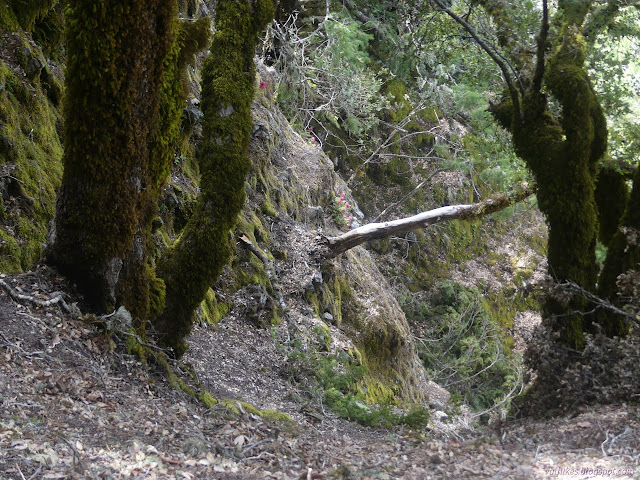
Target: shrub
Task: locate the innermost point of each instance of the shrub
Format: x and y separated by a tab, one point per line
462	347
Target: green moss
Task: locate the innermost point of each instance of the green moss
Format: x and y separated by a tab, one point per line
562	153
28	11
116	65
8	19
612	195
268	209
48	31
623	255
31	150
211	310
157	292
323	337
275	416
10	253
192	265
280	418
134	347
330	296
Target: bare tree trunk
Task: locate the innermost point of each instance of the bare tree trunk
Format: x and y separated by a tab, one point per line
372	231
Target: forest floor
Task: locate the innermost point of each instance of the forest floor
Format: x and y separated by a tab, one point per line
73	405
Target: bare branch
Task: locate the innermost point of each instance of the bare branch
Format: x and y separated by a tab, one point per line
541	40
372	231
18	297
389	140
599	302
504	68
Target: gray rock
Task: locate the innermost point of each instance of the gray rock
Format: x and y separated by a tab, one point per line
327	317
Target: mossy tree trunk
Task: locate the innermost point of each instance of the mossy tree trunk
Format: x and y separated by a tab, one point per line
623	255
562	154
118	54
194	263
562	151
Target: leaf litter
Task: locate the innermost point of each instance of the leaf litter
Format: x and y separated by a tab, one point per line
73	404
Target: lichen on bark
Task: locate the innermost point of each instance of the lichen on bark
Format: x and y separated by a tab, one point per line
191	266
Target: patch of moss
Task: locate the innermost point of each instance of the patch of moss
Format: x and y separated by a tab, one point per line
268	209
10	253
28	11
280	418
8	19
329	296
157	292
211	310
323	337
31	153
612	196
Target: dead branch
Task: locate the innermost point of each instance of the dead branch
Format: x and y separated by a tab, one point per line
20	298
599	302
372	231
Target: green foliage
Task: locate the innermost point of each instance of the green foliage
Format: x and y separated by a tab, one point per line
329	67
338	376
487	147
614	66
462	346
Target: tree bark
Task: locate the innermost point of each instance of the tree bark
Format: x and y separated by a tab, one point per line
191	266
116	59
372	231
623	256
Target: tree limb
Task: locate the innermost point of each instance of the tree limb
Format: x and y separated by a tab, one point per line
372	231
541	41
18	297
515	99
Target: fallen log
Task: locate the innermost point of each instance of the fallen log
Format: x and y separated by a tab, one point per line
372	231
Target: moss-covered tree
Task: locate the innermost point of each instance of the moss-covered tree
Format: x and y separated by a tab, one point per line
122	110
624	247
562	147
194	263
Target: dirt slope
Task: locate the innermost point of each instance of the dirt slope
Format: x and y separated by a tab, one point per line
72	406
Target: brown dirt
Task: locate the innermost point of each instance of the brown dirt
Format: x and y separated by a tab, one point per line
74	405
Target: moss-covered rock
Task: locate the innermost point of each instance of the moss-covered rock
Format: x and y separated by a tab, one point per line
30	159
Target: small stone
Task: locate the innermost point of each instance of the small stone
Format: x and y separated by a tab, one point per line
327	317
439	415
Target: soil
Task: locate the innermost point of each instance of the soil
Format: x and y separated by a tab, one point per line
74	404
